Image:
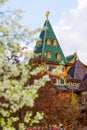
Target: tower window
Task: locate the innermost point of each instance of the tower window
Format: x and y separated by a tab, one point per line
59	56
48	41
55	42
49	54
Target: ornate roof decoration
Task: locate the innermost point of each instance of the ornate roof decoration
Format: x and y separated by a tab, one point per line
47	14
71	57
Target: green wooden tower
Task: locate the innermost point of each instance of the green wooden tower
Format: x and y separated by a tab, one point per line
48	46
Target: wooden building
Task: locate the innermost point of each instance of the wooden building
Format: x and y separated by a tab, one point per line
70	72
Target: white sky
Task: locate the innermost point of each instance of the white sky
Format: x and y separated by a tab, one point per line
72	30
67	17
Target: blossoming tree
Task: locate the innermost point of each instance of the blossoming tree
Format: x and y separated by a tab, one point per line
14	73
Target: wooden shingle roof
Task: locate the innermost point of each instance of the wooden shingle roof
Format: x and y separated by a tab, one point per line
77	71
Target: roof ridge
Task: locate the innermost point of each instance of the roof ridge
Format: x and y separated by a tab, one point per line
75	67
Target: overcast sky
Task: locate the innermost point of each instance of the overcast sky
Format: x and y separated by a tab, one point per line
67	17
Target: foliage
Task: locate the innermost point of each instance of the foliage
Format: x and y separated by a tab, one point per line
83	115
56	108
15	94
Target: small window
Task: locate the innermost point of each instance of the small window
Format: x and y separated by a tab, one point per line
59	56
49	54
84	98
57	82
70	83
48	41
63	68
55	42
61	81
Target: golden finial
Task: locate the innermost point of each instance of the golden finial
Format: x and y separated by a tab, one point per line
47	14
